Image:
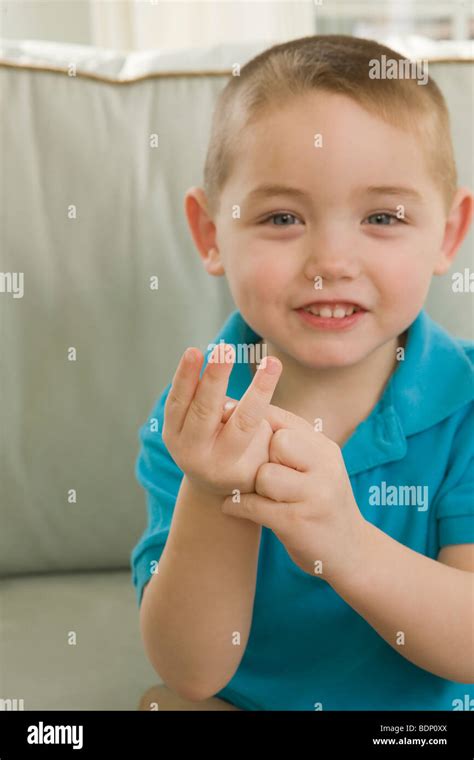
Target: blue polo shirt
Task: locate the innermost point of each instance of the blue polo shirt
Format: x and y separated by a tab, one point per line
410	463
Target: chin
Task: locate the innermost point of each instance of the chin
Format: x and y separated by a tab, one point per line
327	360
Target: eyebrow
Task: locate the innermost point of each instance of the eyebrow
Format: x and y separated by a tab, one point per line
409	192
266	191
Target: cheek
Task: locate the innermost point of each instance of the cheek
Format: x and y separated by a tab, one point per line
404	275
264	276
271	278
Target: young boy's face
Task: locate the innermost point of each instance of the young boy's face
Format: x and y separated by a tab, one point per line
334	232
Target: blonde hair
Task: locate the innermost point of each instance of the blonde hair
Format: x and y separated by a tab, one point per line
330	63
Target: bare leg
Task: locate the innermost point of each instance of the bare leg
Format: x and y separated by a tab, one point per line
162	698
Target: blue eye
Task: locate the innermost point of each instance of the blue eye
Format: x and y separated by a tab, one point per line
283	215
384	218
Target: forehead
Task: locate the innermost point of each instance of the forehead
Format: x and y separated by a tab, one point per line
332	138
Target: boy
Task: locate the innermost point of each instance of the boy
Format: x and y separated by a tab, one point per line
315	552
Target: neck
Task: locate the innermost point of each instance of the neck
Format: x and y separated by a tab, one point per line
341	397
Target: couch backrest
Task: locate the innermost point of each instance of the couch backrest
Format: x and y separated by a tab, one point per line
91	211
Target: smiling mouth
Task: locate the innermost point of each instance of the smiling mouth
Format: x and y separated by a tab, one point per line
331	318
333	311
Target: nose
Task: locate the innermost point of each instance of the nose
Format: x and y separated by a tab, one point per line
332	255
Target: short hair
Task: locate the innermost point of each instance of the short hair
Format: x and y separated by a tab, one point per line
330	63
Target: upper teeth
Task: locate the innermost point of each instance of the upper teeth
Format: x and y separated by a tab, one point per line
327	311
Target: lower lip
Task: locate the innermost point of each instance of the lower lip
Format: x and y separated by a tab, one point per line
331	323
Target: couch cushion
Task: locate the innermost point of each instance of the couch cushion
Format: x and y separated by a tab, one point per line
105	670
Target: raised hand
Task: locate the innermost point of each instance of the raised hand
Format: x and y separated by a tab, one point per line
214	455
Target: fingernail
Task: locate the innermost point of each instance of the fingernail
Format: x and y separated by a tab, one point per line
189	355
271	365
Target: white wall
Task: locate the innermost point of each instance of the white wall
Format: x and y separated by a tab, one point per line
56	20
163	24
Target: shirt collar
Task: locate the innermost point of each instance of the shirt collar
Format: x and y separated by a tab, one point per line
434	379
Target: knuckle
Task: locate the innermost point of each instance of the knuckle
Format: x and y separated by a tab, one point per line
173	399
198	410
280	439
244	421
282	435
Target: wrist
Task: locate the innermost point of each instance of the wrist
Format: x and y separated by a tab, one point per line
200	491
349	568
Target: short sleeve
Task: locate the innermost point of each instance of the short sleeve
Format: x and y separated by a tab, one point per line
160	477
454	504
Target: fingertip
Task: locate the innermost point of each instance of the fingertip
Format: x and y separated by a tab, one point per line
192	355
274	365
270	364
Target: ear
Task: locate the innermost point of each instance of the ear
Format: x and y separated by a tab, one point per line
457	224
203	230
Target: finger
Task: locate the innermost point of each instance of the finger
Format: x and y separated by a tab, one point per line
257	508
183	388
293	447
281	418
279	483
253	405
205	409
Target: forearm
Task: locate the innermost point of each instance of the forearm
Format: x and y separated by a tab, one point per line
422	608
197	611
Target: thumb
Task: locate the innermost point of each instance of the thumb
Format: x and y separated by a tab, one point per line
282	418
259	509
